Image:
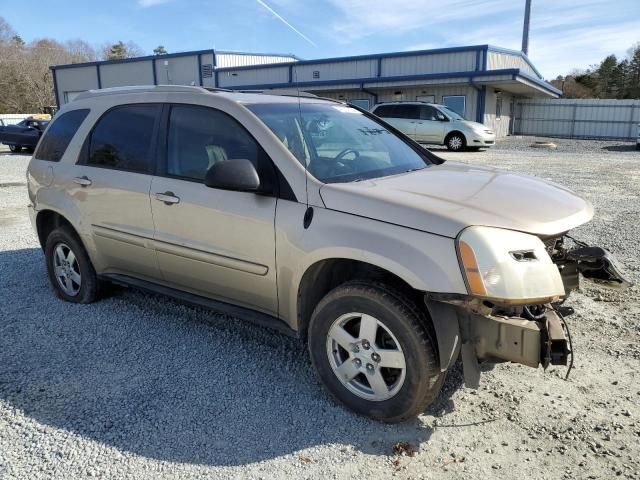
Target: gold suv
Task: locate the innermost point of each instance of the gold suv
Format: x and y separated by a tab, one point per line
318	219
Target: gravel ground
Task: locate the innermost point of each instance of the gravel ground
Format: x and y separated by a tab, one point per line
138	386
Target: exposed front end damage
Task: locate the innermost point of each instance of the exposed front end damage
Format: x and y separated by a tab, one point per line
530	335
574	257
486	330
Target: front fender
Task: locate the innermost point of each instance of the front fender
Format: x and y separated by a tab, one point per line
425	261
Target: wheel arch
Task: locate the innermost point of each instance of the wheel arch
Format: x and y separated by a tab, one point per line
48	220
324	275
452	132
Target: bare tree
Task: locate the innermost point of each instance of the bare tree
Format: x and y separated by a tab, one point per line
6	31
26	84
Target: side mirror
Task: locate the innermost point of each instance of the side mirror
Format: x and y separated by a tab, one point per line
238	174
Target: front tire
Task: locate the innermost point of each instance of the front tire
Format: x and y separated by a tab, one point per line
15	148
70	270
456	142
372	350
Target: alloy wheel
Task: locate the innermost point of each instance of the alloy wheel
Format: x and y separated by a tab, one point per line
455	143
66	269
366	356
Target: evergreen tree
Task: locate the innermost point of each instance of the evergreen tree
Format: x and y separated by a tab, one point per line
619	79
17	40
160	50
605	75
117	51
633	89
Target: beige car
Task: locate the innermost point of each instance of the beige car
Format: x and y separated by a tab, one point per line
319	220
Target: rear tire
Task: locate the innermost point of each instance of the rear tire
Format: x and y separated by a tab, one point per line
70	270
456	142
15	148
401	352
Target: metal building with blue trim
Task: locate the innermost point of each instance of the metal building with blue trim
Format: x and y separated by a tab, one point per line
482	82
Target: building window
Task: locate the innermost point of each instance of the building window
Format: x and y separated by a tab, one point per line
457	103
498	107
362	103
207	70
316	74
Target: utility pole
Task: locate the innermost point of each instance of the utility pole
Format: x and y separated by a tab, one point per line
525	28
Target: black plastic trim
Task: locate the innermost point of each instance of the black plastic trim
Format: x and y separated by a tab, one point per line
243	313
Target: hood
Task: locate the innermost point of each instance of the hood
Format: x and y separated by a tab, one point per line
473	125
444	199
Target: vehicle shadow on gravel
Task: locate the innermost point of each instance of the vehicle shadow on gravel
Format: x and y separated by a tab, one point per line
149	376
625	147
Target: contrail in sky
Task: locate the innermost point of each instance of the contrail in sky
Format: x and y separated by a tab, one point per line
279	17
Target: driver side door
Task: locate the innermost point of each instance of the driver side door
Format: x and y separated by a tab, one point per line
211	242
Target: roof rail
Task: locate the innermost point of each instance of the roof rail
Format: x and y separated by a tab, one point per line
283	92
408	101
291	92
139	89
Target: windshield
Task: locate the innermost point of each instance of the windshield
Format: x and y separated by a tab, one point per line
451	113
338	143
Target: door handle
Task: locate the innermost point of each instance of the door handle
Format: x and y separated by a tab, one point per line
82	181
169	198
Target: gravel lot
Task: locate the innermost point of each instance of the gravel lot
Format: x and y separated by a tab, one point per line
139	386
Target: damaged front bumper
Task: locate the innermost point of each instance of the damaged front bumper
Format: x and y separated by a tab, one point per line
593	263
531	335
487	337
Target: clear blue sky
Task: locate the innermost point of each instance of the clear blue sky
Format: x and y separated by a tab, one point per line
565	34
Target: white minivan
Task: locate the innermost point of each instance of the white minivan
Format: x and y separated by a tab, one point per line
436	124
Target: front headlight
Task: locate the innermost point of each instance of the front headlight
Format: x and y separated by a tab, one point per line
507	266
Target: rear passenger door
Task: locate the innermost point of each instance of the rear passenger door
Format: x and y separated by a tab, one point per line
110	185
211	242
402	117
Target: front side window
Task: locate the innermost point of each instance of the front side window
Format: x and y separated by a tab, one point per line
338	143
428	112
55	142
199	137
122	138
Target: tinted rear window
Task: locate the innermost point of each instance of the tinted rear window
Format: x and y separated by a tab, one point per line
385	111
122	138
53	145
408	111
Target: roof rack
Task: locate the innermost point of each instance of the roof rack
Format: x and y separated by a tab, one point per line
284	92
408	101
138	89
191	88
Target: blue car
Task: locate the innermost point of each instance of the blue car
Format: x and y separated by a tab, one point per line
23	135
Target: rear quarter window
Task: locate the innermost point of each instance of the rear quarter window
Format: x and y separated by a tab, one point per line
55	142
385	111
